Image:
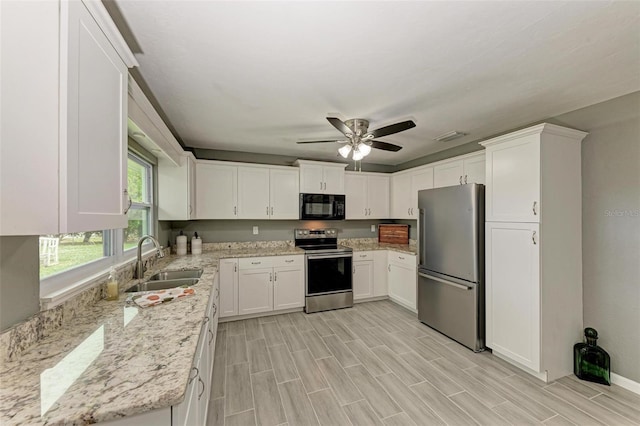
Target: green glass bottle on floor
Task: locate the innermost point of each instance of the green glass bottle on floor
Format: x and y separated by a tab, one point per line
590	361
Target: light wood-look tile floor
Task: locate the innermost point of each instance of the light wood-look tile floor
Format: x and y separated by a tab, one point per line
376	364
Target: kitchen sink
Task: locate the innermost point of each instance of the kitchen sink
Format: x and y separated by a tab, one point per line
172	275
162	284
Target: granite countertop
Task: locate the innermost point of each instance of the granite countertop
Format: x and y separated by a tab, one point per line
374	245
116	360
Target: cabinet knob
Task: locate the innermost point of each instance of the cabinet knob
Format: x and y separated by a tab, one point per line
267	210
256	263
535	208
533	238
271	211
389	268
195	375
203	388
126	193
275	276
460	180
235	210
465	178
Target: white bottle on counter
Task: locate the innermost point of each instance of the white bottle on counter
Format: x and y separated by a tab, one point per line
181	244
196	244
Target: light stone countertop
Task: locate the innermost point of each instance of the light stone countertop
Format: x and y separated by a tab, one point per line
115	360
361	245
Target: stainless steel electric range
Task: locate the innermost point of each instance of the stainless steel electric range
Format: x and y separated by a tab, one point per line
329	279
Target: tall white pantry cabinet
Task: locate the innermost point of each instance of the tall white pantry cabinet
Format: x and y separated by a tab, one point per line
534	248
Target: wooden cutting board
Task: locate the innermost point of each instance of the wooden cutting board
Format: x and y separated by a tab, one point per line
393	234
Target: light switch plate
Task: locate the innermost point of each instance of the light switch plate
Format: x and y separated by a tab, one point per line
255	230
373	228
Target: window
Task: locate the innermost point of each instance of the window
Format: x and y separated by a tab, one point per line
140	181
72	257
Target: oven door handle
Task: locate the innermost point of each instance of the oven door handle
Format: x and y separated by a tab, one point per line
328	256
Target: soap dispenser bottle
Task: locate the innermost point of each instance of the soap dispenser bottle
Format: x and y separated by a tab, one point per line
181	244
196	244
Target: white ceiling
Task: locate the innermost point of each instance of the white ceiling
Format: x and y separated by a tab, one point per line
258	76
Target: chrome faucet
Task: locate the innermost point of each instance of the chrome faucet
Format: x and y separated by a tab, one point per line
139	270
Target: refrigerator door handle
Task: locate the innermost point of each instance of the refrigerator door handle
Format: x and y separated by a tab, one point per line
431	277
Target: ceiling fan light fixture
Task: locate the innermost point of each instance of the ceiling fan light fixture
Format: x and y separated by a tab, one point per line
449	136
364	149
357	155
345	150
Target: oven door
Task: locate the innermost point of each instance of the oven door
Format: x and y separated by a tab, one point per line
329	273
322	207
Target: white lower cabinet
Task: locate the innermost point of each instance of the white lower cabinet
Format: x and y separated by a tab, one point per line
380	279
255	291
513	291
402	279
288	287
263	284
228	271
363	275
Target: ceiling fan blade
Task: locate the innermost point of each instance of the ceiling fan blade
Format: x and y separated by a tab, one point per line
338	124
333	140
385	146
393	128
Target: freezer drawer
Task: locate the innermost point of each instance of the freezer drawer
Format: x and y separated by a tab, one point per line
454	308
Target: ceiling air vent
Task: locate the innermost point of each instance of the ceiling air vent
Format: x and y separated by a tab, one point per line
450	136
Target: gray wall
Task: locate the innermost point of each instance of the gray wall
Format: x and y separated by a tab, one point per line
215	231
611	226
19	279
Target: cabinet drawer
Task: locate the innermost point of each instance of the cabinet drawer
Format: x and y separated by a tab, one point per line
402	258
255	262
293	260
362	255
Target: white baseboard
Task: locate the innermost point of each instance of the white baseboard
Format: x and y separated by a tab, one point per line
623	382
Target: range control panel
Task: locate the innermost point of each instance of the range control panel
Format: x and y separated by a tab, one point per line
314	234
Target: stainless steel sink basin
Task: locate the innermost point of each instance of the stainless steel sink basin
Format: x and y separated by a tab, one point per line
162	285
173	275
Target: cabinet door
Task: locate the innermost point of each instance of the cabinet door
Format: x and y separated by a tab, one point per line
253	193
216	190
288	287
401	196
311	179
93	133
513	181
255	291
377	197
380	287
228	287
284	194
403	284
333	180
422	179
191	185
356	194
447	174
362	280
513	291
474	169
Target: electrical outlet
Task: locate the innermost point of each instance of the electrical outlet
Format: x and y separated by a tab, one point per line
373	228
255	230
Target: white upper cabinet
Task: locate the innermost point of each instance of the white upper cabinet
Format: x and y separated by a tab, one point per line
253	192
520	163
74	82
284	193
474	169
216	190
469	169
448	174
321	178
242	191
420	179
401	196
367	195
177	188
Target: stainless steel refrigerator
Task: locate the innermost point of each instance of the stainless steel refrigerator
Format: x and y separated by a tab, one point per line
451	262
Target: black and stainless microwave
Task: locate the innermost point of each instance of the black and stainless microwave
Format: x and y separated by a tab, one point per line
322	207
